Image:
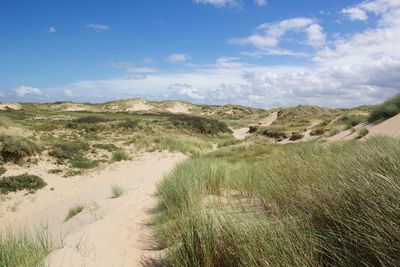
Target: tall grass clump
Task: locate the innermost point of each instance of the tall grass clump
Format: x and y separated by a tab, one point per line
386	110
120	155
312	204
25	249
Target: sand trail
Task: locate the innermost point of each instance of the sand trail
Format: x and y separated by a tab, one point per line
108	232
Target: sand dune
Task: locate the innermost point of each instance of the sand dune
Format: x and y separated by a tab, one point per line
390	127
242	133
108	232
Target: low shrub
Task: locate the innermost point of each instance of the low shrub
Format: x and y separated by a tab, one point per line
82	162
67	150
21	182
199	124
130	125
276	134
386	110
91	119
120	155
108	147
317	131
352	120
2	170
14	149
362	132
296	136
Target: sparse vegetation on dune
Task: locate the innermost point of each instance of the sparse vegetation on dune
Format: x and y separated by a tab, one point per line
387	109
15	149
117	191
73	212
311	204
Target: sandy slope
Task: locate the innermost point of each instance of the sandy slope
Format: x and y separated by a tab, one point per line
242	133
390	127
109	232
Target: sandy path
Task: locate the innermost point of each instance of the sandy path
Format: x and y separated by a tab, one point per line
242	133
109	232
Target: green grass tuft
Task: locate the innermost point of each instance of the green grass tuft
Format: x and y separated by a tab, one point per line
120	155
117	191
25	249
73	212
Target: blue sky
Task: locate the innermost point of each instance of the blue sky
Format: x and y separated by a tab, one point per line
251	52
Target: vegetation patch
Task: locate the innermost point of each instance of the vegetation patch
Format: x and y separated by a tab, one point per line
64	150
2	170
108	147
362	132
82	162
21	182
199	124
14	149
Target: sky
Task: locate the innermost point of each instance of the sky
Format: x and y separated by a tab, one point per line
260	53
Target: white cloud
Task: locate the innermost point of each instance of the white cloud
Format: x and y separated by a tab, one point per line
97	27
388	8
260	2
177	58
268	36
51	29
362	68
355	13
220	3
27	90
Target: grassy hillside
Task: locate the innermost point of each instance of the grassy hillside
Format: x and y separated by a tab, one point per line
310	204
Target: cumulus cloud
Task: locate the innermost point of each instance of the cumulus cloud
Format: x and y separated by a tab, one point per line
27	90
97	27
51	29
220	3
356	69
177	58
268	37
388	8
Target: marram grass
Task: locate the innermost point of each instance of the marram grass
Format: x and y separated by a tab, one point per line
313	204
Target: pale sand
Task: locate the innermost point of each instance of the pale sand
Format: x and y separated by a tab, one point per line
271	118
15	106
138	106
390	127
242	133
179	108
109	232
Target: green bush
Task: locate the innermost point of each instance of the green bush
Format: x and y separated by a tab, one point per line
352	120
81	162
108	147
386	110
21	182
199	124
120	155
91	119
64	150
362	132
14	149
2	170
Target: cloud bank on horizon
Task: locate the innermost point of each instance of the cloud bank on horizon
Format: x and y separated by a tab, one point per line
281	62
